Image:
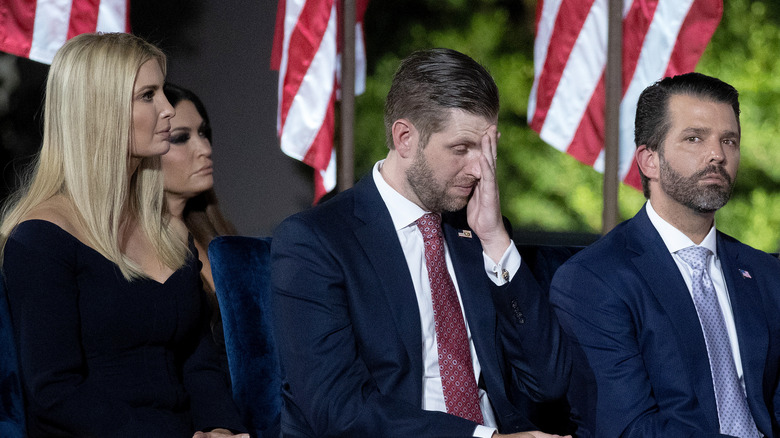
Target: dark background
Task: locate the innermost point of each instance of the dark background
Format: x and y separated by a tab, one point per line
220	50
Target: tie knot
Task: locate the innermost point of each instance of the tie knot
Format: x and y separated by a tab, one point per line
695	256
429	225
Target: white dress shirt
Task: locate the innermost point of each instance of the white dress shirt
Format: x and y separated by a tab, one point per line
404	214
676	240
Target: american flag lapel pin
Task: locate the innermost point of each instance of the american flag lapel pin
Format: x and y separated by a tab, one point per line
465	233
745	274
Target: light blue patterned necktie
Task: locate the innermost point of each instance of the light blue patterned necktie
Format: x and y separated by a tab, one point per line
733	411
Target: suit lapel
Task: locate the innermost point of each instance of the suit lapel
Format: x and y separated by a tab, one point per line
378	238
749	320
466	255
667	285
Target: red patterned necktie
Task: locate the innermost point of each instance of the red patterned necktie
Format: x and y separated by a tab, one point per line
457	373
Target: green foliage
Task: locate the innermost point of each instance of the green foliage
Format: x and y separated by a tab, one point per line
542	188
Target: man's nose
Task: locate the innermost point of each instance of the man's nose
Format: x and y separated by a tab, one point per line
715	152
473	167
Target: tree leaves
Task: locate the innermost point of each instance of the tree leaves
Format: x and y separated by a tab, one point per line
542	188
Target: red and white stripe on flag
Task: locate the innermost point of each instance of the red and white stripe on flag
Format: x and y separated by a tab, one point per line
566	107
37	29
306	53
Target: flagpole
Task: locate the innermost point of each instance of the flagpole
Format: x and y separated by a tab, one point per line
614	95
346	167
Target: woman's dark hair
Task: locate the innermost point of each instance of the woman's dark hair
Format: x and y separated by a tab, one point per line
176	94
201	214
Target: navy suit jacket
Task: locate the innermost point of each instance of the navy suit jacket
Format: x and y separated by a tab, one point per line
644	369
350	337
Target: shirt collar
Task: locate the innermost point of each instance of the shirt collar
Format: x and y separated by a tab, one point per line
402	211
675	239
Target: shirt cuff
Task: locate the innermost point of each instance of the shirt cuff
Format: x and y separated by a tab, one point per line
502	272
484	432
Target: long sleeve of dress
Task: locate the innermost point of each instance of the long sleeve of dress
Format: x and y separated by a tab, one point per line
41	279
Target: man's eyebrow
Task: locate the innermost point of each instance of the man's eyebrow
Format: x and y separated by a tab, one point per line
695	130
464	140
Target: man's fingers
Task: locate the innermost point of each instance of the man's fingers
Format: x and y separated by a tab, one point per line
492	134
489	145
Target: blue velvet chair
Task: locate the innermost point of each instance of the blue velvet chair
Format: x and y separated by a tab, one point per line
12	422
241	269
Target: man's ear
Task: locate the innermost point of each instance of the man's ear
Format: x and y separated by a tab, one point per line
405	137
648	162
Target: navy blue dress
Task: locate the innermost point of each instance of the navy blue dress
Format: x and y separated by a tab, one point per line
101	356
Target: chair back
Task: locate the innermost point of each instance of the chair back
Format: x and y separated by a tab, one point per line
241	269
543	260
12	421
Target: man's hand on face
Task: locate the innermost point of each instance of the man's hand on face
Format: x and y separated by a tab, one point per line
484	208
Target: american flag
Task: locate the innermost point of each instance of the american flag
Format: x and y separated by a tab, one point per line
37	29
307	55
566	106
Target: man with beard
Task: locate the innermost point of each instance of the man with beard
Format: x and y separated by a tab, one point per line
674	322
402	307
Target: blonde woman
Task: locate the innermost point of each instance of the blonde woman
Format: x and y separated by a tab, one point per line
109	318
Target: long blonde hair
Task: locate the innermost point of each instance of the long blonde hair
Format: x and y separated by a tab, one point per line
87	134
